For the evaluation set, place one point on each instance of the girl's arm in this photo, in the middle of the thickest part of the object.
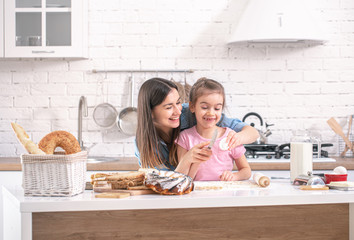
(189, 160)
(183, 163)
(193, 170)
(244, 171)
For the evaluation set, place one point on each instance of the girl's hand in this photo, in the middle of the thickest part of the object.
(199, 153)
(227, 176)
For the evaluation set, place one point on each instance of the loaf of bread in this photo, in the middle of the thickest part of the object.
(119, 180)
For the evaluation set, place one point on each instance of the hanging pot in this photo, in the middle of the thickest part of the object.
(127, 120)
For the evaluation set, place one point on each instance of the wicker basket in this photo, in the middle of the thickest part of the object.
(54, 175)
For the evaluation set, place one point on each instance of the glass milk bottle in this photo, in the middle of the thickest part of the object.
(301, 154)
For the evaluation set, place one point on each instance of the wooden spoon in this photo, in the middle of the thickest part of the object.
(349, 128)
(338, 129)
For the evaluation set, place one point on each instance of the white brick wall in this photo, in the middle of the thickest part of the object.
(292, 86)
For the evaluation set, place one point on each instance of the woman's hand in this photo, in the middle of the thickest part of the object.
(227, 176)
(199, 153)
(246, 136)
(234, 139)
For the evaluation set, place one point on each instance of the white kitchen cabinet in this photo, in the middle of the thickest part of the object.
(1, 28)
(45, 28)
(8, 179)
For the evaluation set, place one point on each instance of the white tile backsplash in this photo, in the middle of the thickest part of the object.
(290, 85)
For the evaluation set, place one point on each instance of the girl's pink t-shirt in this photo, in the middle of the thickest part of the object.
(219, 162)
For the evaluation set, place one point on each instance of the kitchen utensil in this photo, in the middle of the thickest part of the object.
(127, 120)
(105, 114)
(180, 88)
(255, 120)
(315, 181)
(335, 177)
(213, 139)
(309, 179)
(346, 148)
(187, 88)
(261, 179)
(338, 129)
(34, 41)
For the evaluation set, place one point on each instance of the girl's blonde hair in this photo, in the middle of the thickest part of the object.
(204, 85)
(152, 93)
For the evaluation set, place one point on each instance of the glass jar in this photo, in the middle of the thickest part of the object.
(301, 155)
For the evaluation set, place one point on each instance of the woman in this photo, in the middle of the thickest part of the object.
(161, 117)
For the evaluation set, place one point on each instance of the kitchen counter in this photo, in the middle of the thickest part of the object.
(131, 163)
(280, 211)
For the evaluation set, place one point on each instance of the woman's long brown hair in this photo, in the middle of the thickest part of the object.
(152, 93)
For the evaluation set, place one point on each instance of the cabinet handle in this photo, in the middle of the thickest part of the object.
(43, 51)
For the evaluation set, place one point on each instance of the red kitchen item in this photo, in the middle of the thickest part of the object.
(330, 177)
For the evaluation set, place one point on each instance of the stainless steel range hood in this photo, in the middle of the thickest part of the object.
(277, 21)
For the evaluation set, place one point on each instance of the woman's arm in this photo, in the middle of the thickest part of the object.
(247, 135)
(244, 134)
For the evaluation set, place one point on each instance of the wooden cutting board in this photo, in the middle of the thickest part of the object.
(132, 192)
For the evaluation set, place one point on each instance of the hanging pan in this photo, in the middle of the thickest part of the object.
(127, 120)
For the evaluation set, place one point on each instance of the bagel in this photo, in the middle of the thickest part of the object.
(24, 139)
(62, 139)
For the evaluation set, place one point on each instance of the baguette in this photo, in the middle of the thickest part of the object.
(24, 139)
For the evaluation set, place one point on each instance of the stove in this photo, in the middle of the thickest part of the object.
(281, 153)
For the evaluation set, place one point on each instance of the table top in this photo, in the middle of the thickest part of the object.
(280, 192)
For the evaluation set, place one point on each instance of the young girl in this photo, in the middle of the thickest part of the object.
(161, 117)
(207, 100)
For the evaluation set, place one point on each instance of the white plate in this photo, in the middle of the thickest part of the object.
(341, 188)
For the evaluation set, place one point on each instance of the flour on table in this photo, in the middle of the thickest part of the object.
(223, 185)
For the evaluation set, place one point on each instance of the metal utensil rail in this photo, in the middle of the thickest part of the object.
(143, 70)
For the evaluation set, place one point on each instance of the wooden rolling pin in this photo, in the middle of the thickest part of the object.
(261, 179)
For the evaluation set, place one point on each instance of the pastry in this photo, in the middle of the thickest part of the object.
(62, 139)
(169, 182)
(24, 139)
